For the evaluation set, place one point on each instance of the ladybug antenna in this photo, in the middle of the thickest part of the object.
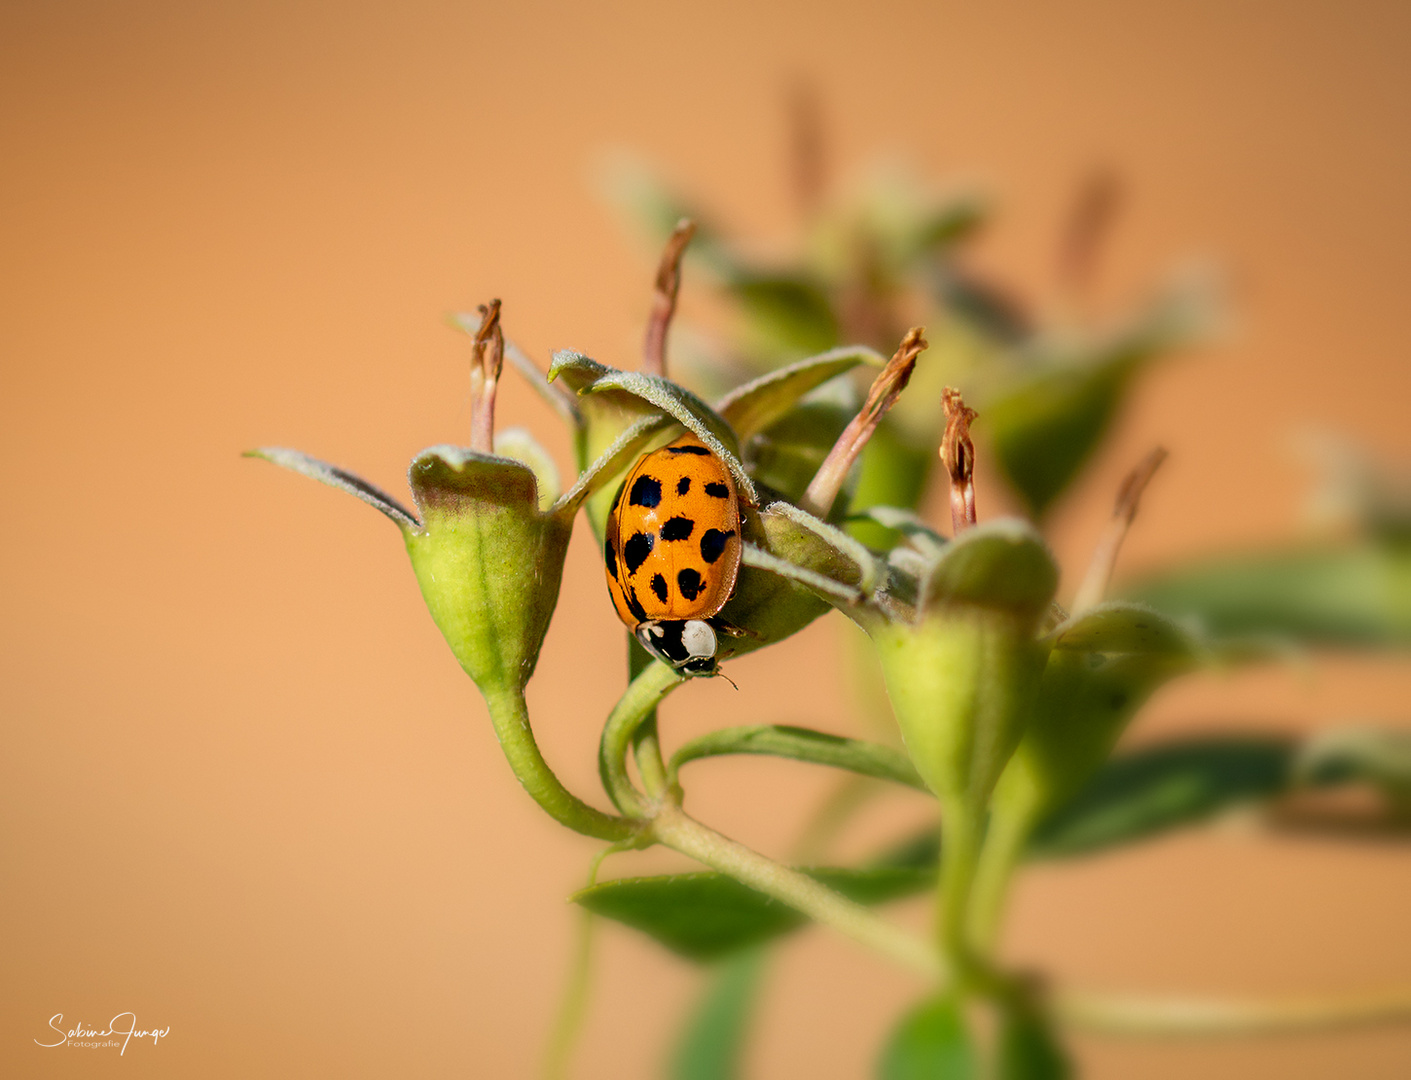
(722, 675)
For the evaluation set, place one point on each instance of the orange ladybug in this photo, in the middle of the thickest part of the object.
(672, 552)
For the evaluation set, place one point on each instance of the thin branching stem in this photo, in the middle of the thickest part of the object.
(510, 716)
(1165, 1017)
(676, 830)
(573, 1006)
(636, 706)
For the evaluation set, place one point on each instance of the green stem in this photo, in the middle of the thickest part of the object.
(676, 830)
(510, 716)
(646, 748)
(574, 1005)
(1114, 1014)
(1003, 847)
(646, 744)
(633, 709)
(960, 844)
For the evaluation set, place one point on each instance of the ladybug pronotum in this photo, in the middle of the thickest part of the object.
(672, 552)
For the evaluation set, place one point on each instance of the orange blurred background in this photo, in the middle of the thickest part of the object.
(247, 792)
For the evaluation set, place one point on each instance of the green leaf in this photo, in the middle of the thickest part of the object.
(1147, 792)
(1104, 665)
(786, 456)
(712, 1046)
(802, 744)
(751, 408)
(707, 915)
(931, 1043)
(1045, 425)
(1028, 1050)
(1356, 596)
(299, 462)
(788, 312)
(635, 395)
(1380, 758)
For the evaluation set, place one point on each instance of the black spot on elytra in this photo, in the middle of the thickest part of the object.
(610, 558)
(646, 491)
(678, 528)
(718, 491)
(683, 485)
(689, 450)
(636, 550)
(713, 543)
(690, 583)
(659, 587)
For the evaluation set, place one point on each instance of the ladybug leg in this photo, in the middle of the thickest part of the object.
(731, 630)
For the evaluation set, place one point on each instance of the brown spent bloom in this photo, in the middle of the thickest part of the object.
(485, 368)
(881, 396)
(668, 284)
(958, 455)
(1124, 512)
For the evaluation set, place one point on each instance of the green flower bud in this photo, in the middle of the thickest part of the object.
(963, 671)
(488, 560)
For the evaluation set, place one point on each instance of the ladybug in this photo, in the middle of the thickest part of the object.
(672, 552)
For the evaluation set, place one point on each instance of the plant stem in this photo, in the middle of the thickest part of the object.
(510, 716)
(999, 854)
(960, 844)
(632, 710)
(679, 832)
(1120, 1014)
(574, 1004)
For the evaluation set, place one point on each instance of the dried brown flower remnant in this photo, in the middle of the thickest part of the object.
(668, 284)
(958, 456)
(881, 396)
(489, 360)
(1124, 512)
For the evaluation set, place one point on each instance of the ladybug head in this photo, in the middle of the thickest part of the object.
(688, 645)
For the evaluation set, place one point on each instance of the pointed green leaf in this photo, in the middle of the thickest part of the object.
(634, 395)
(1105, 664)
(931, 1043)
(1162, 787)
(1046, 423)
(1355, 596)
(786, 456)
(802, 744)
(751, 408)
(712, 1046)
(334, 477)
(706, 915)
(785, 311)
(1381, 758)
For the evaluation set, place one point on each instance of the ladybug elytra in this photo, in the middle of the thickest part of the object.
(672, 552)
